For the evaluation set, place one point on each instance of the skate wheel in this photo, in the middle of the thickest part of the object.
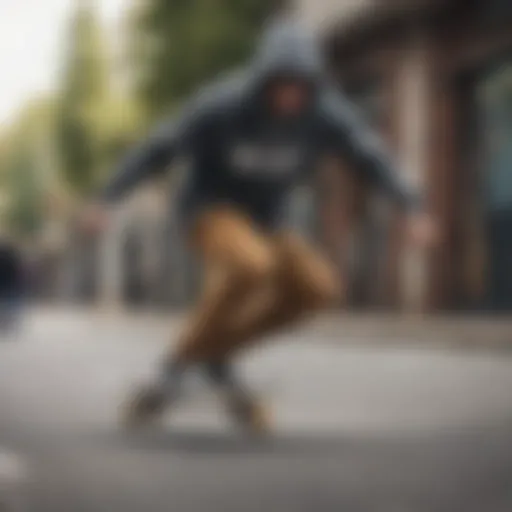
(252, 417)
(144, 408)
(261, 421)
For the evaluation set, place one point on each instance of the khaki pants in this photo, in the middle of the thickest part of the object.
(254, 284)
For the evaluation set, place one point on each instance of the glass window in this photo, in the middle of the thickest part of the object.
(495, 109)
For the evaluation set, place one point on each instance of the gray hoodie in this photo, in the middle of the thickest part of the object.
(240, 153)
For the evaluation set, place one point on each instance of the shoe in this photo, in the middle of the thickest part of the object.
(250, 415)
(146, 406)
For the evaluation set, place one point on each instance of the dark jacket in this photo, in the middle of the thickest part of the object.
(240, 153)
(11, 271)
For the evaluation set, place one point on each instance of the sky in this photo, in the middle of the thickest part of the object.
(32, 36)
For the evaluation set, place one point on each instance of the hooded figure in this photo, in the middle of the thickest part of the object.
(249, 140)
(243, 153)
(12, 283)
(11, 271)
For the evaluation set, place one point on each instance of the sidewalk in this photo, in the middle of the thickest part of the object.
(465, 331)
(14, 483)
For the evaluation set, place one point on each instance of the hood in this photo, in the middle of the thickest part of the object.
(287, 49)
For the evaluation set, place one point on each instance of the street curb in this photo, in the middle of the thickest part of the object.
(452, 331)
(14, 483)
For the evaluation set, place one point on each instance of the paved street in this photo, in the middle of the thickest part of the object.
(358, 428)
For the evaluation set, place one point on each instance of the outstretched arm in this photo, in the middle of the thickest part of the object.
(155, 155)
(151, 157)
(177, 136)
(349, 136)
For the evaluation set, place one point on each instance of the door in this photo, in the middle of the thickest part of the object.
(493, 101)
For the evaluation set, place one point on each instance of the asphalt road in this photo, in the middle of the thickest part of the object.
(356, 428)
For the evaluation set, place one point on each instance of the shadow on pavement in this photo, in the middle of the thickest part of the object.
(209, 442)
(486, 441)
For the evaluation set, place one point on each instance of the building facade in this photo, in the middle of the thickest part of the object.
(435, 76)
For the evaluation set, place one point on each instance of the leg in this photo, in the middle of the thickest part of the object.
(305, 283)
(237, 261)
(244, 407)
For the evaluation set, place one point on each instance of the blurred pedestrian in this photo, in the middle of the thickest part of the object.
(12, 284)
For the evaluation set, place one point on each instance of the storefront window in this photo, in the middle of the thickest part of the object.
(494, 106)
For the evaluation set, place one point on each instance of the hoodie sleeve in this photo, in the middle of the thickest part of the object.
(154, 155)
(347, 134)
(173, 137)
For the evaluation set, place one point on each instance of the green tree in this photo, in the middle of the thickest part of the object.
(180, 44)
(121, 122)
(28, 167)
(23, 215)
(83, 96)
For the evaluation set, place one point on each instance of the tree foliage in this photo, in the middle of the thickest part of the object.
(180, 44)
(28, 167)
(83, 95)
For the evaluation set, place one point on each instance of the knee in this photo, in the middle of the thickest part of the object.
(257, 268)
(321, 293)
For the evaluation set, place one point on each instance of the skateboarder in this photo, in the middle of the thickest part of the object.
(249, 138)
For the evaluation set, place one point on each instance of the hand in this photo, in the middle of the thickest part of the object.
(421, 230)
(94, 219)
